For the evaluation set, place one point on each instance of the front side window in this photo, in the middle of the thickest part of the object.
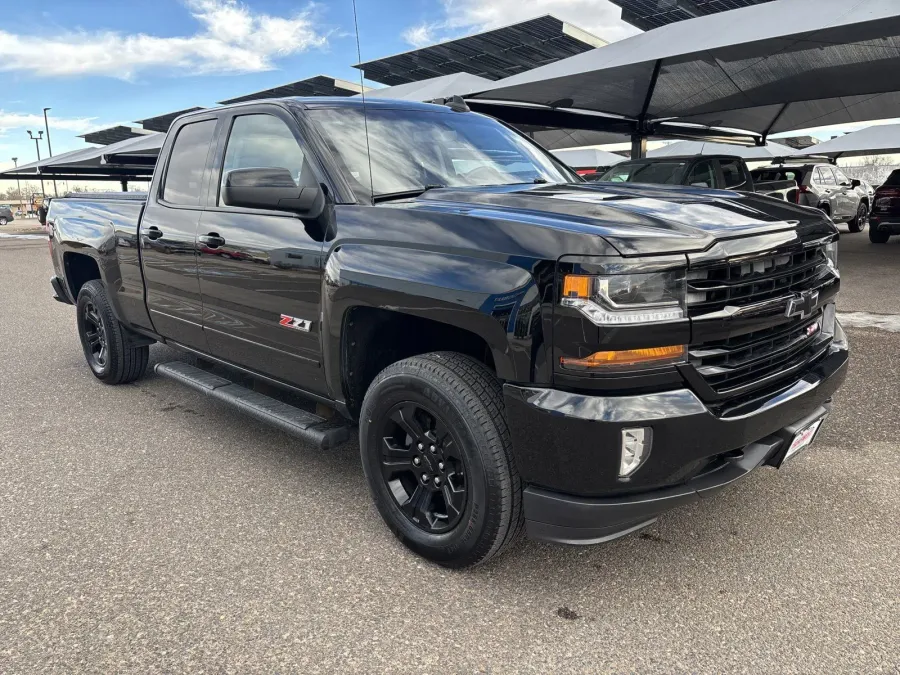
(265, 142)
(184, 175)
(411, 150)
(733, 173)
(666, 173)
(702, 175)
(841, 177)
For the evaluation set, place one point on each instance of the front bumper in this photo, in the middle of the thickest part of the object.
(566, 448)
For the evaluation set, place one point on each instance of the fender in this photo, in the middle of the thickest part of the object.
(107, 233)
(498, 299)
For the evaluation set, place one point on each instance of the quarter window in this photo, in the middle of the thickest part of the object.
(184, 176)
(265, 142)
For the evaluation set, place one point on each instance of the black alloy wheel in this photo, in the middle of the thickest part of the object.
(95, 336)
(423, 467)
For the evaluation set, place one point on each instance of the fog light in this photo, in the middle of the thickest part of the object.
(635, 449)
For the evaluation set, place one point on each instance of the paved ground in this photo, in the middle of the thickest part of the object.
(145, 529)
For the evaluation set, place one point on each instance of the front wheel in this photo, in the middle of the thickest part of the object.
(859, 223)
(878, 236)
(437, 455)
(107, 348)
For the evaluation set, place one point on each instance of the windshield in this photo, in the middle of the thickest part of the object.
(646, 172)
(417, 149)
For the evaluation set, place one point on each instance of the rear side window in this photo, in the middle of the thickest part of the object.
(824, 176)
(733, 173)
(184, 176)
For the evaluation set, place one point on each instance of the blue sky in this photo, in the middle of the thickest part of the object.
(101, 62)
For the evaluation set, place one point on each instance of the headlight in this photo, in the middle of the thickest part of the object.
(831, 252)
(626, 299)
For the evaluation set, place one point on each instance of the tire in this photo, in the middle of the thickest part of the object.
(859, 223)
(878, 236)
(106, 344)
(3, 221)
(464, 400)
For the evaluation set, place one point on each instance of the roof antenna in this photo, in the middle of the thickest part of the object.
(362, 93)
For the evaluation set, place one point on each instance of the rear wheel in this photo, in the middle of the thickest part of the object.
(437, 455)
(878, 236)
(107, 347)
(859, 223)
(3, 221)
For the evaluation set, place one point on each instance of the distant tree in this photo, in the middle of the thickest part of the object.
(873, 169)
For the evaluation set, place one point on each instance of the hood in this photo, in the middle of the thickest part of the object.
(635, 219)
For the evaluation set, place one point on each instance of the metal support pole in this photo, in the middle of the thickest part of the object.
(124, 186)
(18, 185)
(49, 149)
(638, 146)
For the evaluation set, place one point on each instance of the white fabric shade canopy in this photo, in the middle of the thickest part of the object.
(587, 157)
(681, 148)
(877, 140)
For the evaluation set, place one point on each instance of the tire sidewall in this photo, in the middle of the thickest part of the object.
(463, 539)
(96, 295)
(3, 221)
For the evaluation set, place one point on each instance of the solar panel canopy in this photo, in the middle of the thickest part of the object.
(112, 135)
(876, 140)
(493, 54)
(650, 14)
(320, 85)
(161, 123)
(682, 148)
(772, 67)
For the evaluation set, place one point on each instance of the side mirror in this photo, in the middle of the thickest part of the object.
(273, 189)
(854, 182)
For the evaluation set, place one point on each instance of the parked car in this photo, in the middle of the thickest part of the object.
(723, 172)
(519, 348)
(885, 218)
(6, 214)
(826, 187)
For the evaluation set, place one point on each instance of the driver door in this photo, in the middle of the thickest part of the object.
(260, 270)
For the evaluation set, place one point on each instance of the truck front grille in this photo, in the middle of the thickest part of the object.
(745, 282)
(764, 355)
(730, 365)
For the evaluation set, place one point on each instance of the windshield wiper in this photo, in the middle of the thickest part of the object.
(405, 194)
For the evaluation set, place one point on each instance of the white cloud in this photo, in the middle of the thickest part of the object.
(11, 120)
(232, 38)
(599, 17)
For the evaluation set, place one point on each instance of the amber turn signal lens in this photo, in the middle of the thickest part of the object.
(626, 357)
(577, 286)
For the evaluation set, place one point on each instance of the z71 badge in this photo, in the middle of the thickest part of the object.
(295, 323)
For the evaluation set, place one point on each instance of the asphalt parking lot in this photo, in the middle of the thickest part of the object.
(144, 528)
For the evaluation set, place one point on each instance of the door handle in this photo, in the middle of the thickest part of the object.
(153, 232)
(211, 240)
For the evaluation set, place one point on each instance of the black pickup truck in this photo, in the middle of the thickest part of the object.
(518, 348)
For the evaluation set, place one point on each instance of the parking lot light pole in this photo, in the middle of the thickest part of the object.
(37, 146)
(18, 185)
(49, 149)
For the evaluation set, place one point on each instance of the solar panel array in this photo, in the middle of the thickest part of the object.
(494, 54)
(320, 85)
(649, 14)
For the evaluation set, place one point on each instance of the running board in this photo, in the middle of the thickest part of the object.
(310, 428)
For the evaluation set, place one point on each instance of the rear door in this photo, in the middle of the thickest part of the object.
(260, 270)
(848, 195)
(827, 189)
(168, 233)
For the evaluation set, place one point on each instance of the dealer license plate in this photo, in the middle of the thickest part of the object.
(803, 438)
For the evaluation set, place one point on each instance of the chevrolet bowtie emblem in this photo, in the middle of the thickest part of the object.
(802, 304)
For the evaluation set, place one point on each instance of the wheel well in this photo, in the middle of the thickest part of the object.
(80, 269)
(373, 339)
(864, 200)
(826, 207)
